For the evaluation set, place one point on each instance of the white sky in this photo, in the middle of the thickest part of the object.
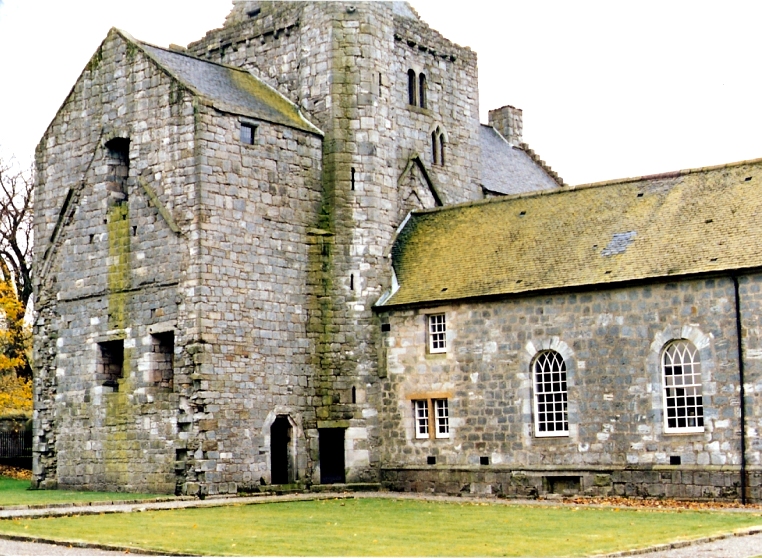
(608, 89)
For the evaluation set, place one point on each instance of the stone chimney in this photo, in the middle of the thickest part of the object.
(508, 121)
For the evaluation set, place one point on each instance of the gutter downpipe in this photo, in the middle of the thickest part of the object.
(743, 391)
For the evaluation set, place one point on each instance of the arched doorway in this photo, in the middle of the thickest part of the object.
(281, 462)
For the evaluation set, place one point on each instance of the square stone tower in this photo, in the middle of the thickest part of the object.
(213, 227)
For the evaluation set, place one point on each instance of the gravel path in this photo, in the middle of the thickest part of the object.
(22, 548)
(745, 546)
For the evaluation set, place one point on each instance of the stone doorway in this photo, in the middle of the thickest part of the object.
(281, 458)
(331, 445)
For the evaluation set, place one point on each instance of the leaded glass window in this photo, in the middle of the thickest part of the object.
(683, 400)
(550, 395)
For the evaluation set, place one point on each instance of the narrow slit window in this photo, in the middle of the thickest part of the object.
(422, 91)
(441, 149)
(411, 88)
(353, 178)
(434, 149)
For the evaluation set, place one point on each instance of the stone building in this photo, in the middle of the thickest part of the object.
(290, 254)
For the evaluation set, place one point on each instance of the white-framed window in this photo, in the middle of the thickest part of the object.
(442, 416)
(421, 410)
(551, 417)
(437, 332)
(683, 399)
(425, 408)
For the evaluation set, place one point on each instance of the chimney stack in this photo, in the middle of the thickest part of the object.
(508, 121)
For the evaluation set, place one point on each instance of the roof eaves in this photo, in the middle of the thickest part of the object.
(388, 303)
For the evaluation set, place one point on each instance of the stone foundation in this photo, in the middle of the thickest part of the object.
(682, 483)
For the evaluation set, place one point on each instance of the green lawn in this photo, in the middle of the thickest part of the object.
(16, 492)
(377, 527)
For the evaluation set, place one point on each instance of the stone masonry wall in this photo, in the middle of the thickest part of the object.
(611, 341)
(111, 269)
(255, 360)
(346, 65)
(452, 106)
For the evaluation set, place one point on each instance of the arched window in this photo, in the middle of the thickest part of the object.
(683, 400)
(441, 149)
(434, 149)
(411, 88)
(550, 394)
(422, 91)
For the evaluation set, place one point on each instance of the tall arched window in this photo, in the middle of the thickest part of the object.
(434, 148)
(411, 88)
(550, 395)
(441, 149)
(683, 400)
(422, 91)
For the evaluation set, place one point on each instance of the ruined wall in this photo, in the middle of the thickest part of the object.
(611, 341)
(112, 270)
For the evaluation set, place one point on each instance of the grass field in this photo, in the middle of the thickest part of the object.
(16, 492)
(381, 527)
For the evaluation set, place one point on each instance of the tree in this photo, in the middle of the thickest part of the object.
(16, 191)
(16, 195)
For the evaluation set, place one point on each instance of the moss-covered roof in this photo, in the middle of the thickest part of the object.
(228, 88)
(682, 223)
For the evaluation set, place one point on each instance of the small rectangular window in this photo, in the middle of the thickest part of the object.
(442, 418)
(437, 331)
(421, 409)
(110, 367)
(248, 132)
(438, 408)
(163, 359)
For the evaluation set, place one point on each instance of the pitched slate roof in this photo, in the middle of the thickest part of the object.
(682, 223)
(229, 89)
(507, 169)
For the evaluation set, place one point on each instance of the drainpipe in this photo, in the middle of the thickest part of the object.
(743, 392)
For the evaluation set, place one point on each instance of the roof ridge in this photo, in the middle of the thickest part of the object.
(568, 189)
(669, 174)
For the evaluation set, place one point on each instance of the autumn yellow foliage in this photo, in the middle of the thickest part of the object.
(15, 390)
(15, 396)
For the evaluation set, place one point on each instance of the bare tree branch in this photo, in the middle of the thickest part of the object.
(16, 196)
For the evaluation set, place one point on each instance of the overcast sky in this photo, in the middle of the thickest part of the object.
(608, 89)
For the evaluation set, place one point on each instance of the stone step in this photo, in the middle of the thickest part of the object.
(347, 487)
